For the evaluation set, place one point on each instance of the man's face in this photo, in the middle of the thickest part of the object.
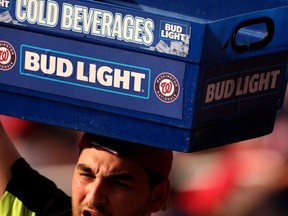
(104, 184)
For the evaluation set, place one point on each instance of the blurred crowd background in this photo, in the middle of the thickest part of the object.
(248, 178)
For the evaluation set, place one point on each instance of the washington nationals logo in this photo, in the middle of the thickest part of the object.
(166, 87)
(7, 56)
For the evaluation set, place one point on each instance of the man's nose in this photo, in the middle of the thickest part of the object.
(96, 194)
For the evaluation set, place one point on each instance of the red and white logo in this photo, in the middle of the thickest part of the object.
(166, 87)
(7, 56)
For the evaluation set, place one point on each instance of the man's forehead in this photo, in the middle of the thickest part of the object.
(101, 160)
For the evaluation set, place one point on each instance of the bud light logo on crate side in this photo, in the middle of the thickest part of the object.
(175, 38)
(249, 84)
(5, 4)
(173, 31)
(82, 71)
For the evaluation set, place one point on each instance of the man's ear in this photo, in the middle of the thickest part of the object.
(160, 196)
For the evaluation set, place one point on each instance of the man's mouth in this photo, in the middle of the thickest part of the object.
(90, 213)
(86, 213)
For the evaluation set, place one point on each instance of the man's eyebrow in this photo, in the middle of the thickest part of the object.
(84, 168)
(121, 176)
(114, 176)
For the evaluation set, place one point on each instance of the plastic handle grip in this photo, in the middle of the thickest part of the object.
(260, 43)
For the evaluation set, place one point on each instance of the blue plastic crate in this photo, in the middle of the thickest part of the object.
(185, 75)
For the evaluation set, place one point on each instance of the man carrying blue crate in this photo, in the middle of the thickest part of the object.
(111, 177)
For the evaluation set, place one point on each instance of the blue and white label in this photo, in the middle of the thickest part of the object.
(174, 39)
(96, 21)
(90, 75)
(81, 19)
(173, 31)
(86, 72)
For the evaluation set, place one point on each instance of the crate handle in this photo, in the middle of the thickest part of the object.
(252, 45)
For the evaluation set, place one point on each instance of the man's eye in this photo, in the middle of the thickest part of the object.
(87, 175)
(121, 184)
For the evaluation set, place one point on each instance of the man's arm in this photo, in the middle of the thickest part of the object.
(8, 155)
